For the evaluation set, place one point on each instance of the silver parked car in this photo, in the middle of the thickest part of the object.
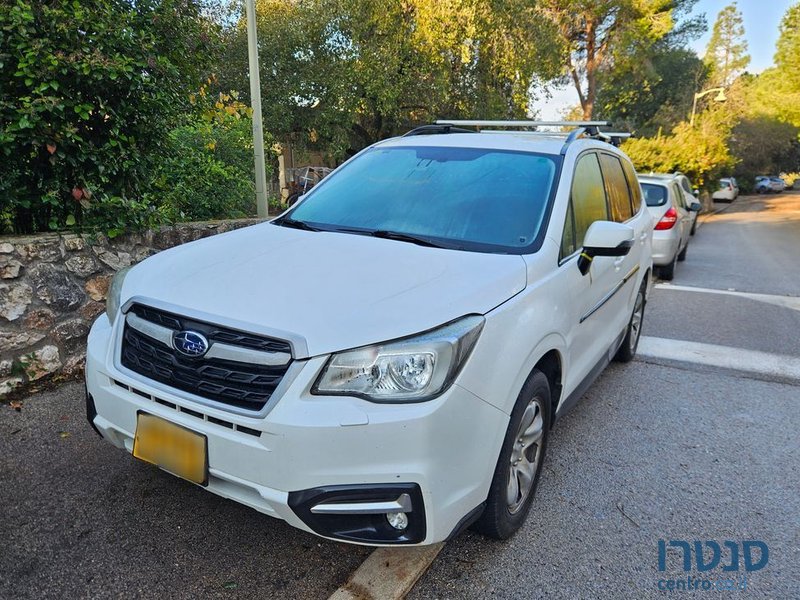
(672, 220)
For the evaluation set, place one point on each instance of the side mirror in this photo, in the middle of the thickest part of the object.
(605, 238)
(695, 207)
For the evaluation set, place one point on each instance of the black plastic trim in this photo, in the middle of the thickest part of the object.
(466, 521)
(370, 529)
(91, 411)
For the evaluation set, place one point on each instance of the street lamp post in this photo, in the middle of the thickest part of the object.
(720, 97)
(255, 103)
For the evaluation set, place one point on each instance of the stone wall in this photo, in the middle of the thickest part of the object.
(52, 286)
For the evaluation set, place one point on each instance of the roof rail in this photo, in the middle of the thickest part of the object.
(437, 128)
(588, 128)
(490, 123)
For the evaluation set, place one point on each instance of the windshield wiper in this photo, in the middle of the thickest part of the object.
(404, 237)
(288, 222)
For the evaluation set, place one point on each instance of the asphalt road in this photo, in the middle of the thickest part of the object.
(654, 451)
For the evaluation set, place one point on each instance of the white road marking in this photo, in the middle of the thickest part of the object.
(792, 302)
(779, 366)
(388, 573)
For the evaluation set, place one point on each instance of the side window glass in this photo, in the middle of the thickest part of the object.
(679, 197)
(633, 185)
(568, 239)
(588, 196)
(619, 199)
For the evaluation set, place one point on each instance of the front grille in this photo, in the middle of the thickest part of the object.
(238, 384)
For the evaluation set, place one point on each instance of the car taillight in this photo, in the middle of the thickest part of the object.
(668, 220)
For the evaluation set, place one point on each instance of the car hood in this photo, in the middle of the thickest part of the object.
(323, 291)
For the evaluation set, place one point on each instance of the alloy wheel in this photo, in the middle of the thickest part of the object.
(525, 456)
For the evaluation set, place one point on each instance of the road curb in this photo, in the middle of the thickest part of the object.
(388, 573)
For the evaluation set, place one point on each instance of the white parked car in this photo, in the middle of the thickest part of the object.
(382, 364)
(727, 191)
(672, 219)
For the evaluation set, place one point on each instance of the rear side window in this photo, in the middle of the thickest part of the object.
(680, 199)
(619, 199)
(588, 200)
(654, 194)
(633, 186)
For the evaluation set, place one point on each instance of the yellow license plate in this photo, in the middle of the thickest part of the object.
(173, 448)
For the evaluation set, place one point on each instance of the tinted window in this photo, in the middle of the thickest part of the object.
(588, 196)
(654, 195)
(619, 199)
(469, 198)
(633, 186)
(680, 199)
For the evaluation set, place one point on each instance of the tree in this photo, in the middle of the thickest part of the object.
(594, 35)
(88, 93)
(655, 95)
(776, 91)
(764, 145)
(726, 54)
(701, 152)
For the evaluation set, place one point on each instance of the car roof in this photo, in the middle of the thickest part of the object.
(657, 179)
(510, 141)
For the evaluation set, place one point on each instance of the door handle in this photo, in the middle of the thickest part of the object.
(618, 261)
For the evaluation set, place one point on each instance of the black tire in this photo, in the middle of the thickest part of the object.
(629, 345)
(682, 254)
(694, 227)
(498, 520)
(667, 273)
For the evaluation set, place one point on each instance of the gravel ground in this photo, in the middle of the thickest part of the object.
(650, 453)
(82, 519)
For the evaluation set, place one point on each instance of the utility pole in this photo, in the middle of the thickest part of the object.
(255, 103)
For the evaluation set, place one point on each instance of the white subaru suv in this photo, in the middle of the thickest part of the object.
(382, 363)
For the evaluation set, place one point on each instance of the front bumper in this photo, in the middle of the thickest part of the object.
(447, 447)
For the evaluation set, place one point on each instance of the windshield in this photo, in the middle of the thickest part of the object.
(654, 195)
(467, 198)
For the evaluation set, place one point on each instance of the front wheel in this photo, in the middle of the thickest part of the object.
(520, 463)
(629, 345)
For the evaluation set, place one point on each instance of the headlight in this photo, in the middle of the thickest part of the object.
(408, 370)
(114, 291)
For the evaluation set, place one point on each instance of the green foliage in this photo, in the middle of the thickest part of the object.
(88, 91)
(337, 75)
(701, 152)
(776, 92)
(208, 171)
(726, 54)
(656, 94)
(764, 145)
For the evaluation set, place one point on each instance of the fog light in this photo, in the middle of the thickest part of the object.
(397, 520)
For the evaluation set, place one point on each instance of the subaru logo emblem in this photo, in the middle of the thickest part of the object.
(190, 343)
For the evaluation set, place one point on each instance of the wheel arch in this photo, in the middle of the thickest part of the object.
(551, 365)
